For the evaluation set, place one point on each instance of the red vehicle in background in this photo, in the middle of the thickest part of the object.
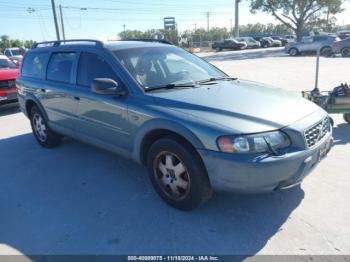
(8, 75)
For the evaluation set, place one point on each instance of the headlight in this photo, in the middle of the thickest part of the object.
(256, 143)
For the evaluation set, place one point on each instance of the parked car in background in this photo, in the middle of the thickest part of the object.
(250, 41)
(342, 47)
(290, 38)
(283, 40)
(8, 74)
(344, 34)
(264, 42)
(311, 44)
(13, 53)
(274, 43)
(194, 127)
(232, 44)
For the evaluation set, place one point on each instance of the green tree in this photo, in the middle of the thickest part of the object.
(171, 35)
(5, 42)
(131, 34)
(296, 13)
(28, 43)
(16, 43)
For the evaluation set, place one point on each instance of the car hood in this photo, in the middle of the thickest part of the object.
(240, 106)
(8, 73)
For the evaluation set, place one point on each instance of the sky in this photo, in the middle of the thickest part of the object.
(104, 19)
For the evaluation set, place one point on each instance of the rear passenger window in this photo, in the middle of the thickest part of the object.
(60, 67)
(92, 66)
(320, 38)
(34, 65)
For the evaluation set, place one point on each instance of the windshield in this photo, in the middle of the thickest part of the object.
(158, 66)
(249, 39)
(15, 52)
(7, 63)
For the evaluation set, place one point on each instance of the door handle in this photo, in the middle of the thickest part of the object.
(77, 98)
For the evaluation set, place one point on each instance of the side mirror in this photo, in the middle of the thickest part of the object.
(106, 86)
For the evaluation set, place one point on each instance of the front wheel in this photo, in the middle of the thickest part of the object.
(345, 52)
(177, 174)
(293, 52)
(41, 130)
(326, 51)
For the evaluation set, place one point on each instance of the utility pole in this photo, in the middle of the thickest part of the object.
(55, 19)
(208, 15)
(124, 28)
(237, 18)
(195, 27)
(230, 26)
(62, 24)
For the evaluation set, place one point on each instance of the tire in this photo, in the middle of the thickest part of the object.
(178, 174)
(345, 52)
(326, 51)
(346, 117)
(293, 52)
(41, 130)
(218, 49)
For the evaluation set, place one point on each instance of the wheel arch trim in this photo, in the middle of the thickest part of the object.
(32, 99)
(166, 126)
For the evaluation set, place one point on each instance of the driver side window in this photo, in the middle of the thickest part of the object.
(93, 66)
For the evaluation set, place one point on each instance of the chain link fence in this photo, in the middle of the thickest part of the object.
(202, 46)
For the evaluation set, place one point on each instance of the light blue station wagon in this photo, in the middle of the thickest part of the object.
(194, 127)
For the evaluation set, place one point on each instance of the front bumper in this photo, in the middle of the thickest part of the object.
(248, 173)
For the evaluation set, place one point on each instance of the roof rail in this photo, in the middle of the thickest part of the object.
(60, 42)
(163, 41)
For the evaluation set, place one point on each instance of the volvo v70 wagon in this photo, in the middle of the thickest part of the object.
(194, 127)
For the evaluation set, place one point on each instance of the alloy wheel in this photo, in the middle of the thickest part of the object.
(171, 175)
(345, 52)
(326, 51)
(39, 127)
(293, 52)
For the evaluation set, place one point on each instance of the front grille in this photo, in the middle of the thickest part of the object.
(318, 131)
(7, 84)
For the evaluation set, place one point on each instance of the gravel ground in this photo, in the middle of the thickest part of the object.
(77, 199)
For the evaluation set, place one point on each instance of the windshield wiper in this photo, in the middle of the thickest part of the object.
(169, 86)
(213, 79)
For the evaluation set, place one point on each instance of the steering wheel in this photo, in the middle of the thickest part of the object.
(183, 74)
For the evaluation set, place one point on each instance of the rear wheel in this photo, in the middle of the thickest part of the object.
(293, 52)
(218, 49)
(41, 130)
(347, 117)
(177, 174)
(326, 51)
(345, 52)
